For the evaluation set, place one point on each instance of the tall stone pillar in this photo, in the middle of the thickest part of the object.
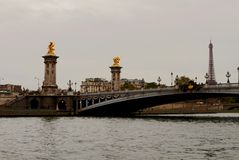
(115, 74)
(49, 86)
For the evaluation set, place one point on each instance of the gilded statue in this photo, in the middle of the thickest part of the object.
(116, 61)
(51, 48)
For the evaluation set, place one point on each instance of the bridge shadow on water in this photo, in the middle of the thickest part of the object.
(198, 118)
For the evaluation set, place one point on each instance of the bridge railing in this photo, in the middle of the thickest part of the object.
(102, 98)
(131, 91)
(165, 90)
(222, 85)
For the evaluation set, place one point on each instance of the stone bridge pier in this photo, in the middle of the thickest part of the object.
(63, 103)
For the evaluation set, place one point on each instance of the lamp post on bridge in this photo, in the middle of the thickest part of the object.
(171, 78)
(238, 74)
(176, 80)
(159, 80)
(206, 76)
(228, 75)
(69, 84)
(75, 86)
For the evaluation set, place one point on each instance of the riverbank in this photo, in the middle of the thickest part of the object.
(192, 108)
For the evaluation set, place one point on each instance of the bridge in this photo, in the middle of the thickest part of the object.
(120, 103)
(129, 102)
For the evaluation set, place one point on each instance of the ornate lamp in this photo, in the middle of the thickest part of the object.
(238, 74)
(228, 75)
(171, 78)
(206, 76)
(159, 80)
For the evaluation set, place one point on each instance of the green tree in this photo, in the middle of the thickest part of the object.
(127, 86)
(186, 84)
(151, 85)
(183, 80)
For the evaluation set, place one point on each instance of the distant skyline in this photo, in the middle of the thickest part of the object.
(152, 37)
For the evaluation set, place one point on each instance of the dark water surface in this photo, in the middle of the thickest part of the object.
(188, 137)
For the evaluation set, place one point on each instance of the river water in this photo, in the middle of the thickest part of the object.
(187, 137)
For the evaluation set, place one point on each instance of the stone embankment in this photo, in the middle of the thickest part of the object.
(5, 98)
(187, 108)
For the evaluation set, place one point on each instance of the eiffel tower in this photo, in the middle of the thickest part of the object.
(211, 79)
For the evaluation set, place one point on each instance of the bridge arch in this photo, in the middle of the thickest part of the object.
(131, 104)
(34, 104)
(61, 104)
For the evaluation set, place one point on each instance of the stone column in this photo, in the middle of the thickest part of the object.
(49, 86)
(115, 74)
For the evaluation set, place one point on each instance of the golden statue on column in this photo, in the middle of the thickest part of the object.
(51, 48)
(116, 61)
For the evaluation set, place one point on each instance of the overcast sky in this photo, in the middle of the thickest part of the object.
(152, 37)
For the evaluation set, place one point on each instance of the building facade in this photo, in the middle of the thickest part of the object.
(11, 88)
(134, 83)
(95, 85)
(102, 85)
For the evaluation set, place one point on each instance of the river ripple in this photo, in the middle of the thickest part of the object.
(178, 137)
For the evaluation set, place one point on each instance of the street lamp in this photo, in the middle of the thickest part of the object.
(176, 80)
(206, 76)
(238, 74)
(75, 86)
(159, 80)
(38, 85)
(142, 83)
(171, 78)
(228, 75)
(69, 84)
